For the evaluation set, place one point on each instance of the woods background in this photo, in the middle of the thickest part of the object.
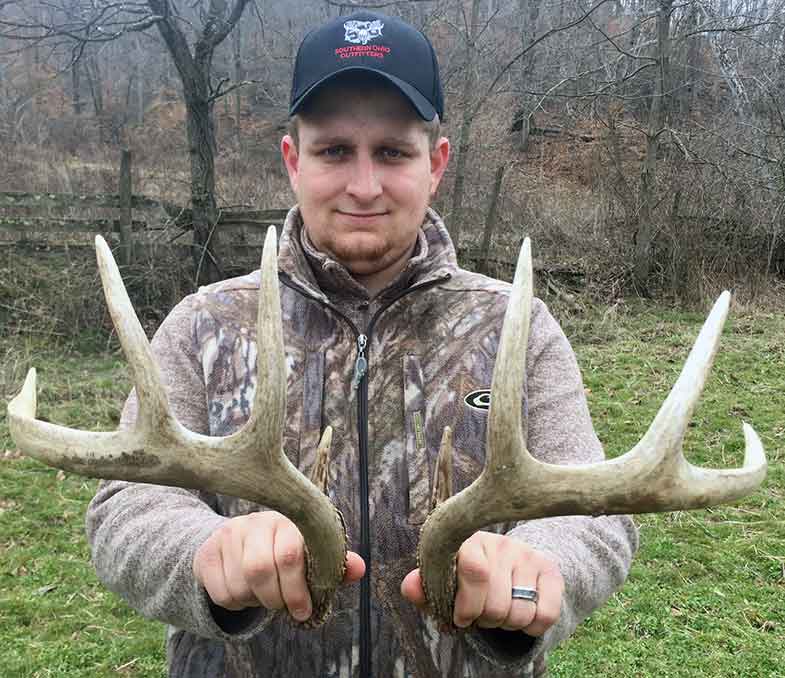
(640, 143)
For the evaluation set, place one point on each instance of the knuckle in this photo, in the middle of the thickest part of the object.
(298, 601)
(258, 569)
(271, 598)
(271, 516)
(463, 618)
(495, 613)
(222, 599)
(465, 611)
(224, 532)
(506, 544)
(523, 616)
(233, 596)
(290, 557)
(548, 618)
(474, 570)
(208, 555)
(238, 591)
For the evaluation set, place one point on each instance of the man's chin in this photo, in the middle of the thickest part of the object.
(367, 254)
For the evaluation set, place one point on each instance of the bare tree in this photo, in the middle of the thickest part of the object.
(190, 40)
(644, 232)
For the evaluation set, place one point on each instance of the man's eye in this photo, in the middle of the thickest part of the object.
(334, 152)
(392, 153)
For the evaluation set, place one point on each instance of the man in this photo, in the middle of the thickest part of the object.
(389, 341)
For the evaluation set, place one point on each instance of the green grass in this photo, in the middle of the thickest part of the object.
(706, 595)
(56, 619)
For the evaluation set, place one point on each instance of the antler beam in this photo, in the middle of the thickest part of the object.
(249, 464)
(652, 477)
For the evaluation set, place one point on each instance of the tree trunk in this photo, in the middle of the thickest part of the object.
(140, 80)
(688, 93)
(490, 219)
(644, 236)
(529, 14)
(201, 151)
(76, 95)
(456, 213)
(238, 77)
(126, 213)
(194, 69)
(94, 80)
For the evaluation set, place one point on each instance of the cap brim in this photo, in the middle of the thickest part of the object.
(423, 107)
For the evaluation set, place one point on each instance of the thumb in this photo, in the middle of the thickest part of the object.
(412, 590)
(355, 568)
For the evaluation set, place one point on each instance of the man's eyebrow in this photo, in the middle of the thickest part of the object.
(347, 140)
(398, 141)
(332, 140)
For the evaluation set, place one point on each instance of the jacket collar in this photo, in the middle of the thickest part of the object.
(323, 277)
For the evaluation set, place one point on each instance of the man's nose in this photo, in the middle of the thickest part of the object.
(363, 182)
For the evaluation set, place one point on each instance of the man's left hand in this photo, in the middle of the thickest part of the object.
(489, 565)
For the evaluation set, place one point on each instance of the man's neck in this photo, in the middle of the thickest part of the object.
(378, 281)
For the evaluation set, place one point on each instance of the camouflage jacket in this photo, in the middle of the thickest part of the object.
(431, 342)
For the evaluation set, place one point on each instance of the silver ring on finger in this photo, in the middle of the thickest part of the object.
(524, 593)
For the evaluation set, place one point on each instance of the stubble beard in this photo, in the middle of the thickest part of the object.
(364, 256)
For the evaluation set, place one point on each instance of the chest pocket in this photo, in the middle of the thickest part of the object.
(418, 463)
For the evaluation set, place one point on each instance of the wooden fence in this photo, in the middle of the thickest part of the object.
(39, 216)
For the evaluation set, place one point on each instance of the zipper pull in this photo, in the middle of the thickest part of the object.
(361, 364)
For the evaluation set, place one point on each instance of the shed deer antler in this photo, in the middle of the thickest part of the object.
(652, 477)
(249, 464)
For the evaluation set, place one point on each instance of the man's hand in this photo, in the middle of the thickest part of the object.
(259, 560)
(489, 565)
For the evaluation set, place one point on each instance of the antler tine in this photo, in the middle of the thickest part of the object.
(98, 454)
(654, 476)
(267, 414)
(506, 446)
(153, 403)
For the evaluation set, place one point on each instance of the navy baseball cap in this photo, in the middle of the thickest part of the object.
(374, 43)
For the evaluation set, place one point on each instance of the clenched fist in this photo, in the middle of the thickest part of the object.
(488, 566)
(259, 560)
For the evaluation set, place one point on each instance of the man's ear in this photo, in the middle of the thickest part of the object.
(291, 159)
(440, 155)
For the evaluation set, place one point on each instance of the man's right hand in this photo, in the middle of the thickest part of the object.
(259, 560)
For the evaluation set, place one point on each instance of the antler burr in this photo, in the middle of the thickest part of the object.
(652, 477)
(249, 464)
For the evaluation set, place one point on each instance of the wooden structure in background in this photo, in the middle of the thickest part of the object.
(27, 216)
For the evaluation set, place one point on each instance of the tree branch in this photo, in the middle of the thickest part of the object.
(489, 90)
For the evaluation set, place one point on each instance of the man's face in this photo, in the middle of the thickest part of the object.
(364, 172)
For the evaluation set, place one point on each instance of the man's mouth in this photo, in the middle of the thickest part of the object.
(361, 215)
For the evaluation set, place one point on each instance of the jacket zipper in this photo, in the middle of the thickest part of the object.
(360, 382)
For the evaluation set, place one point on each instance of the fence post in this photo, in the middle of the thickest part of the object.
(126, 236)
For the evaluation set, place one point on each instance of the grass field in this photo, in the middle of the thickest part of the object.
(706, 595)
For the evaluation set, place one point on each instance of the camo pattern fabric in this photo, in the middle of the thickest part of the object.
(433, 341)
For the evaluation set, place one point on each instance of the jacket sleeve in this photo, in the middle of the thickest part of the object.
(144, 537)
(594, 554)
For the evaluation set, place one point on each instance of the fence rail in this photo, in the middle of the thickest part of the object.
(37, 215)
(19, 200)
